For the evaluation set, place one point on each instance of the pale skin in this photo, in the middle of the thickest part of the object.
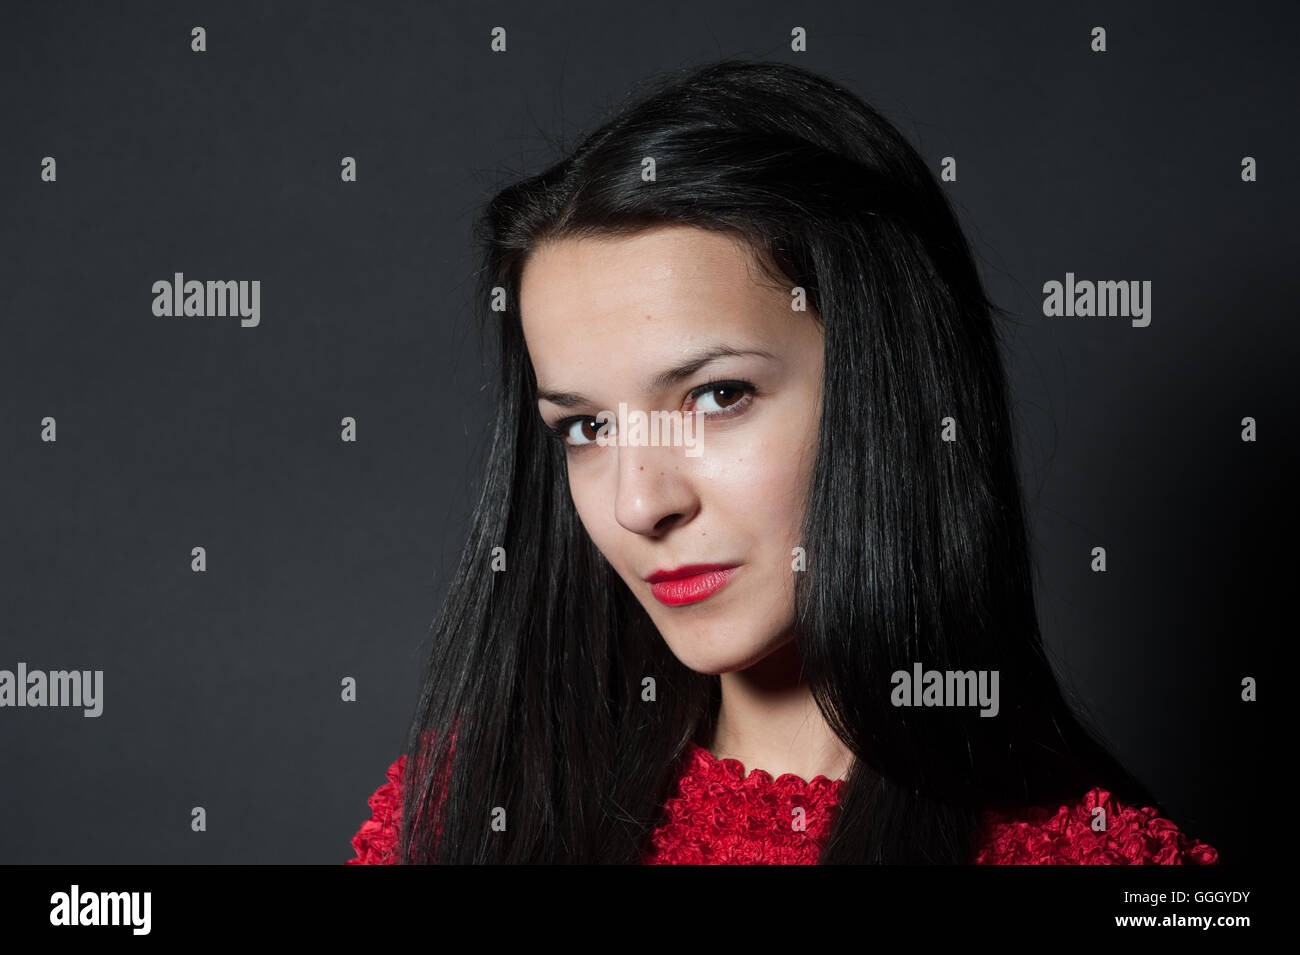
(602, 317)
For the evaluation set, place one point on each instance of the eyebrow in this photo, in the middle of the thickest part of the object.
(665, 379)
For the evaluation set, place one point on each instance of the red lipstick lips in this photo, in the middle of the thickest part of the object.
(689, 583)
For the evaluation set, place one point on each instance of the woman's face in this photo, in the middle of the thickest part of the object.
(604, 319)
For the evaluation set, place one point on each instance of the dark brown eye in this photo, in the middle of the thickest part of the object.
(722, 396)
(588, 429)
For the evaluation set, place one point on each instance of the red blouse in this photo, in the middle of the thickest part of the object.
(718, 814)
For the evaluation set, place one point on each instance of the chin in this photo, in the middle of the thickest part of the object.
(714, 661)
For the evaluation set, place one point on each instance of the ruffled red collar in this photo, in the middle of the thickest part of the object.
(702, 762)
(719, 813)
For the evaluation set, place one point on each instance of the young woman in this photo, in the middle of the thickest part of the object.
(804, 631)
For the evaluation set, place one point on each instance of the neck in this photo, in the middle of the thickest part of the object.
(769, 721)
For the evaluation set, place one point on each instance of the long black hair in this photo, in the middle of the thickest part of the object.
(531, 741)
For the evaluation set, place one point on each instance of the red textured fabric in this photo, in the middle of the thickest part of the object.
(719, 814)
(375, 840)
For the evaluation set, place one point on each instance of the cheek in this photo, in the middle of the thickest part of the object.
(595, 507)
(757, 495)
(761, 482)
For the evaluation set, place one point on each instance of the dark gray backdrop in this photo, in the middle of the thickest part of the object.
(328, 560)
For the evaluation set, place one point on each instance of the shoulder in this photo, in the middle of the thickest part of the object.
(1095, 830)
(377, 836)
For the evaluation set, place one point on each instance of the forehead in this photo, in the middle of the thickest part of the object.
(624, 301)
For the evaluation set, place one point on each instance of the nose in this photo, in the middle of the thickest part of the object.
(655, 492)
